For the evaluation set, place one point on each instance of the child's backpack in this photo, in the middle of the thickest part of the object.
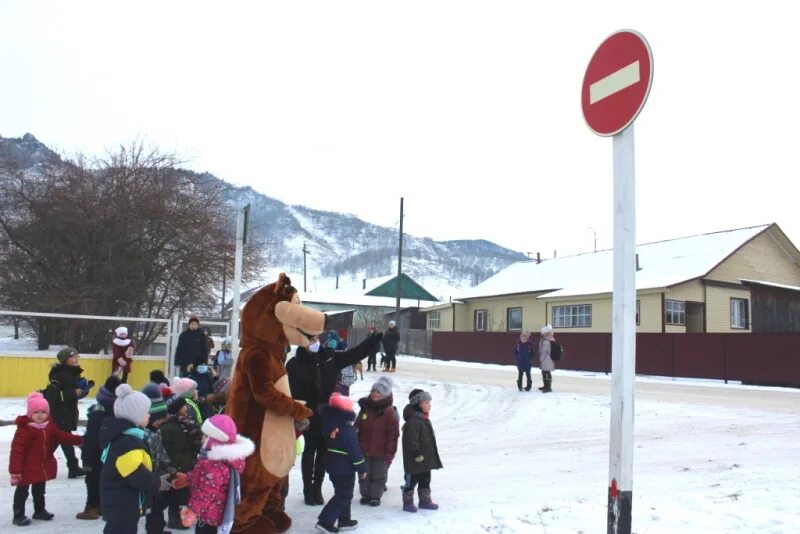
(347, 376)
(556, 351)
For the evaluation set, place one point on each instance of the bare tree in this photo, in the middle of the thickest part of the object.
(127, 234)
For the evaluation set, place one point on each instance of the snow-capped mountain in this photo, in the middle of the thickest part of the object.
(343, 248)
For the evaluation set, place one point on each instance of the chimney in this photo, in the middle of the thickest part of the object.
(637, 262)
(364, 284)
(337, 281)
(538, 258)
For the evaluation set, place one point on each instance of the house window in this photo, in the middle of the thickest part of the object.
(514, 318)
(480, 320)
(675, 312)
(434, 320)
(638, 312)
(740, 318)
(572, 316)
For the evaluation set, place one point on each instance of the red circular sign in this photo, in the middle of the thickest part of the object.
(617, 82)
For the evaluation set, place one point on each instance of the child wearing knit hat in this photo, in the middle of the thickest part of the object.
(31, 462)
(128, 481)
(182, 439)
(187, 388)
(122, 354)
(420, 453)
(214, 481)
(154, 522)
(378, 430)
(342, 461)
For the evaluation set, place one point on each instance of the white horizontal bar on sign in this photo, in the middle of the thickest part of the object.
(73, 316)
(614, 82)
(52, 356)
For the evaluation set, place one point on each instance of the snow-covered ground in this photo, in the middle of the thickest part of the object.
(709, 458)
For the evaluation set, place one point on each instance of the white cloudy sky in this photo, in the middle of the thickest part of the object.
(469, 110)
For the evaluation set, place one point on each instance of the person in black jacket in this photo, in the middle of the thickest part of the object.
(312, 378)
(66, 387)
(420, 453)
(91, 453)
(372, 357)
(391, 340)
(192, 349)
(128, 481)
(343, 461)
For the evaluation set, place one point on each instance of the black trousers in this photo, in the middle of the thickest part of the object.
(312, 463)
(423, 479)
(154, 521)
(69, 454)
(202, 528)
(121, 526)
(21, 496)
(527, 375)
(338, 507)
(372, 361)
(391, 360)
(93, 488)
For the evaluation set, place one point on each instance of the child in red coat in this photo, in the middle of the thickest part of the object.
(123, 354)
(214, 481)
(31, 462)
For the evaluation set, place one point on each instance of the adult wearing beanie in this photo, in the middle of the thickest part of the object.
(192, 349)
(91, 452)
(128, 469)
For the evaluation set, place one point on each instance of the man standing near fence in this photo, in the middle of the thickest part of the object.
(391, 341)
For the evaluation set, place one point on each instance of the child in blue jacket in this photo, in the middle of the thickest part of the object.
(342, 461)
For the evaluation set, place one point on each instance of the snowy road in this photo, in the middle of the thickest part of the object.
(709, 458)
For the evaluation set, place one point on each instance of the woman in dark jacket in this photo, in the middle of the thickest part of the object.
(66, 387)
(192, 349)
(312, 378)
(91, 453)
(420, 453)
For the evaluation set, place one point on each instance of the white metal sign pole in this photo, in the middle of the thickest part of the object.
(237, 281)
(623, 343)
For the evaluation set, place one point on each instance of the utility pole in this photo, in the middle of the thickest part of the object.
(241, 240)
(399, 268)
(306, 252)
(224, 284)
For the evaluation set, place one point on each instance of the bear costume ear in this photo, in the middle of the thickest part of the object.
(284, 285)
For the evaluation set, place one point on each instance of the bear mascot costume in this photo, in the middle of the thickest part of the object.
(260, 403)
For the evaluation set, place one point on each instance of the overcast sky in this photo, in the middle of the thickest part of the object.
(469, 110)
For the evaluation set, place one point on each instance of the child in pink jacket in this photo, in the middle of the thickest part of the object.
(214, 481)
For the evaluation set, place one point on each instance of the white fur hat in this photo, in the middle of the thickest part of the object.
(121, 330)
(547, 329)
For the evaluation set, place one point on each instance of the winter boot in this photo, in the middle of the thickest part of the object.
(19, 518)
(88, 514)
(308, 496)
(408, 501)
(43, 515)
(364, 500)
(318, 498)
(519, 384)
(425, 501)
(322, 527)
(548, 381)
(74, 470)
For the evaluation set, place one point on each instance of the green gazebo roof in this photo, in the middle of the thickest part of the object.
(409, 289)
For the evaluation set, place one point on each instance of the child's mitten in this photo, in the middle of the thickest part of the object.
(16, 480)
(419, 458)
(188, 517)
(180, 481)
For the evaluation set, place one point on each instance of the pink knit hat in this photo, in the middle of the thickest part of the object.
(183, 387)
(36, 402)
(220, 429)
(341, 402)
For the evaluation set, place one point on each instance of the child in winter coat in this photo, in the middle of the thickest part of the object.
(523, 352)
(187, 388)
(342, 461)
(204, 376)
(90, 452)
(154, 522)
(420, 454)
(65, 389)
(214, 481)
(223, 361)
(31, 462)
(122, 349)
(128, 481)
(182, 438)
(378, 431)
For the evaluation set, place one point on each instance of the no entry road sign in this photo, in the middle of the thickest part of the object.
(617, 82)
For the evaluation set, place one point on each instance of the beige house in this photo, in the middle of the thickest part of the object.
(700, 283)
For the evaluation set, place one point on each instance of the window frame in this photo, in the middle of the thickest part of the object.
(572, 316)
(746, 315)
(638, 312)
(669, 318)
(434, 317)
(508, 319)
(485, 314)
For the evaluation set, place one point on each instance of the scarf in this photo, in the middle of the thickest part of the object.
(38, 426)
(121, 342)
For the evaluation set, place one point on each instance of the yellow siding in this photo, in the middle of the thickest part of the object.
(445, 319)
(692, 290)
(19, 375)
(718, 308)
(763, 258)
(650, 313)
(533, 312)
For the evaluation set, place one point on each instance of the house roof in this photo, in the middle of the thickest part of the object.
(408, 289)
(355, 300)
(662, 264)
(768, 284)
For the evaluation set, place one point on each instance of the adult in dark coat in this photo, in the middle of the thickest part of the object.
(192, 349)
(312, 378)
(391, 340)
(524, 353)
(91, 452)
(372, 357)
(66, 387)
